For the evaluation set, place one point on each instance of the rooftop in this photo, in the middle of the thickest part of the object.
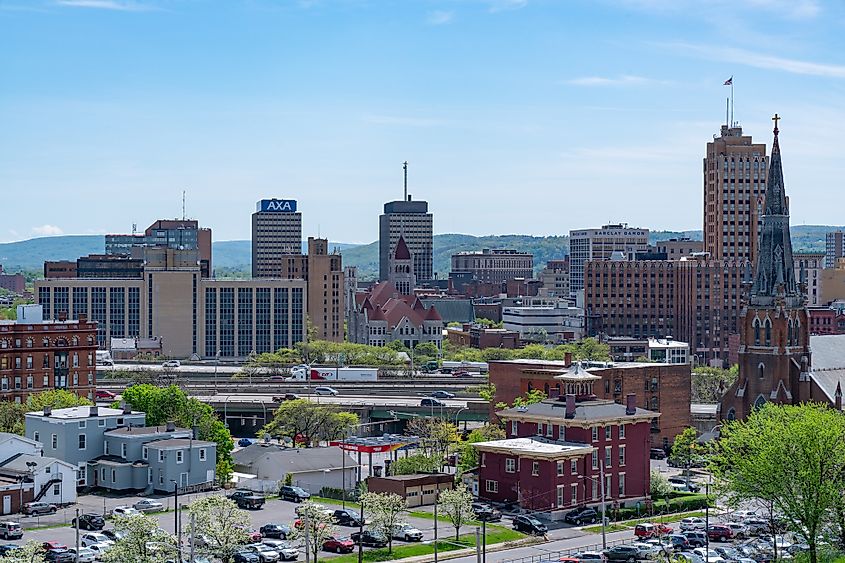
(585, 411)
(179, 443)
(145, 431)
(535, 445)
(80, 412)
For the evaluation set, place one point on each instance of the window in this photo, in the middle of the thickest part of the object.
(621, 484)
(608, 430)
(36, 436)
(621, 456)
(539, 429)
(560, 466)
(535, 468)
(561, 433)
(573, 466)
(202, 454)
(57, 489)
(149, 476)
(103, 475)
(608, 452)
(595, 459)
(113, 476)
(491, 486)
(560, 491)
(621, 431)
(106, 447)
(144, 452)
(161, 456)
(549, 429)
(595, 430)
(82, 441)
(510, 465)
(83, 423)
(573, 494)
(54, 441)
(483, 459)
(607, 483)
(514, 428)
(179, 456)
(120, 422)
(123, 450)
(101, 423)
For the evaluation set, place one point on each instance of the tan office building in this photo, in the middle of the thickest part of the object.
(276, 234)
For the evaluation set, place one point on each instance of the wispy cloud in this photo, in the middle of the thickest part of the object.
(790, 9)
(505, 5)
(115, 5)
(762, 60)
(440, 17)
(47, 230)
(404, 121)
(623, 80)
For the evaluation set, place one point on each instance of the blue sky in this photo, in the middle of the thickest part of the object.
(516, 116)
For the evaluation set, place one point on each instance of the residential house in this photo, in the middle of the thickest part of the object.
(26, 475)
(309, 468)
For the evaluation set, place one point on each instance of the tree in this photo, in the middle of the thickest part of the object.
(792, 457)
(384, 509)
(456, 505)
(144, 541)
(709, 384)
(30, 552)
(486, 391)
(317, 523)
(533, 396)
(12, 417)
(417, 463)
(469, 455)
(56, 399)
(133, 376)
(435, 434)
(685, 448)
(308, 422)
(660, 486)
(222, 523)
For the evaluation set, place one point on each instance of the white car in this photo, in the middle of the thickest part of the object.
(148, 505)
(99, 549)
(407, 532)
(693, 523)
(740, 530)
(264, 552)
(314, 506)
(709, 556)
(124, 511)
(689, 557)
(86, 554)
(325, 391)
(171, 364)
(647, 550)
(95, 538)
(286, 551)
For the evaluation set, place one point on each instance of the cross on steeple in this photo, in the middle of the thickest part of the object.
(776, 118)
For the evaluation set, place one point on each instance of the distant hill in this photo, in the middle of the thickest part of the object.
(234, 256)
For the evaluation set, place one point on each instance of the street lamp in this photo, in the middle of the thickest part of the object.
(603, 502)
(216, 361)
(176, 517)
(458, 413)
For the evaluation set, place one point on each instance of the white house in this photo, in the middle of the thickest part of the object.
(26, 475)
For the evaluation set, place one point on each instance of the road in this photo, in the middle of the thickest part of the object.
(341, 400)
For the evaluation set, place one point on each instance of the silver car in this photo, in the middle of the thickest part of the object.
(407, 532)
(264, 552)
(286, 551)
(325, 391)
(148, 505)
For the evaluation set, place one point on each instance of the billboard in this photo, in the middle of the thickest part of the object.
(276, 206)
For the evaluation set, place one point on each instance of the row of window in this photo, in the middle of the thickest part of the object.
(492, 486)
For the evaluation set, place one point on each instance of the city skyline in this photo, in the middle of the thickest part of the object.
(116, 105)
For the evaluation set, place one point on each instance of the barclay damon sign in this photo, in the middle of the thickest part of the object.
(277, 205)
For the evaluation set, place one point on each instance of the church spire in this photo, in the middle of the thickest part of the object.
(775, 274)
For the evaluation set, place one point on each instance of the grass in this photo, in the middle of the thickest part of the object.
(495, 534)
(628, 524)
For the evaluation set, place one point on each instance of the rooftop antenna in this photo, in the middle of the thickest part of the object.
(134, 228)
(405, 168)
(183, 205)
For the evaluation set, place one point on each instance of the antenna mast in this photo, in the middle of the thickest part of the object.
(405, 168)
(183, 205)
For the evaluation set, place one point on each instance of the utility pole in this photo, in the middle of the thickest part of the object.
(405, 168)
(361, 533)
(436, 498)
(193, 531)
(307, 536)
(477, 545)
(603, 507)
(76, 525)
(484, 541)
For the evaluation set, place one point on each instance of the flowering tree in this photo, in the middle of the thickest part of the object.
(316, 524)
(456, 505)
(222, 524)
(142, 542)
(385, 510)
(30, 552)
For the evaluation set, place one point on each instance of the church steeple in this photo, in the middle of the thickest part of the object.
(775, 273)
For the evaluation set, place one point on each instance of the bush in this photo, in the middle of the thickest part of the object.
(337, 494)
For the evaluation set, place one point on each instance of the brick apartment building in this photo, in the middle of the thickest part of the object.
(477, 336)
(38, 355)
(15, 283)
(657, 387)
(497, 265)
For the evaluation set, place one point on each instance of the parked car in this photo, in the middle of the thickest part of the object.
(689, 557)
(696, 538)
(590, 557)
(53, 546)
(431, 402)
(582, 515)
(265, 553)
(528, 524)
(338, 544)
(627, 553)
(740, 530)
(657, 453)
(8, 548)
(756, 526)
(86, 554)
(59, 557)
(89, 522)
(708, 555)
(369, 538)
(693, 523)
(244, 442)
(728, 553)
(295, 494)
(33, 508)
(461, 373)
(245, 557)
(441, 394)
(286, 550)
(649, 530)
(279, 531)
(317, 507)
(406, 532)
(323, 390)
(485, 512)
(171, 364)
(103, 394)
(113, 535)
(95, 538)
(247, 499)
(11, 531)
(720, 532)
(347, 517)
(685, 488)
(252, 536)
(125, 511)
(679, 542)
(647, 550)
(148, 505)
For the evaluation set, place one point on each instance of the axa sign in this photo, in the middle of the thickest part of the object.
(277, 205)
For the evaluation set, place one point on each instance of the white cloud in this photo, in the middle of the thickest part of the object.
(47, 230)
(115, 5)
(624, 80)
(761, 60)
(440, 17)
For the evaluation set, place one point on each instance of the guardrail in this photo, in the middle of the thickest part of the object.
(556, 555)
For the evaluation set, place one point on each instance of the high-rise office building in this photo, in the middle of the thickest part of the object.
(834, 248)
(609, 242)
(175, 234)
(276, 234)
(412, 221)
(734, 190)
(497, 265)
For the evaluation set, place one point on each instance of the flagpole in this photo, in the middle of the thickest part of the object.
(732, 101)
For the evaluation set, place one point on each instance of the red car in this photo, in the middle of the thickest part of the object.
(338, 545)
(54, 546)
(254, 537)
(649, 530)
(720, 533)
(103, 394)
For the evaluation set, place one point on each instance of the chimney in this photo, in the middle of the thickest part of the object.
(631, 404)
(94, 411)
(837, 397)
(554, 393)
(82, 317)
(62, 316)
(195, 432)
(570, 406)
(127, 408)
(47, 410)
(567, 359)
(171, 426)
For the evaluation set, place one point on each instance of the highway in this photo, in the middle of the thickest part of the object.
(378, 401)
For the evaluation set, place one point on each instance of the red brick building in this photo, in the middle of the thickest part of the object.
(477, 336)
(658, 387)
(15, 283)
(38, 355)
(558, 451)
(826, 320)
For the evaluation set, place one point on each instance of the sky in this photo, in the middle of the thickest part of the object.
(515, 116)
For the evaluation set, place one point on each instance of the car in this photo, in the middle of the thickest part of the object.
(86, 554)
(685, 488)
(247, 499)
(441, 394)
(740, 530)
(53, 546)
(689, 557)
(582, 515)
(299, 510)
(590, 556)
(338, 544)
(708, 555)
(627, 553)
(346, 517)
(406, 532)
(35, 508)
(756, 526)
(679, 542)
(148, 505)
(693, 523)
(113, 535)
(647, 550)
(742, 515)
(89, 522)
(171, 364)
(285, 397)
(720, 532)
(486, 513)
(125, 511)
(370, 538)
(650, 530)
(265, 553)
(461, 373)
(8, 548)
(11, 531)
(657, 453)
(323, 390)
(95, 538)
(529, 524)
(253, 536)
(286, 550)
(245, 557)
(244, 442)
(59, 557)
(296, 494)
(280, 531)
(696, 538)
(103, 394)
(728, 553)
(431, 402)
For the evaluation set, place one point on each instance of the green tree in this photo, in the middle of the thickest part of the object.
(55, 398)
(469, 455)
(710, 384)
(426, 349)
(143, 542)
(30, 552)
(417, 463)
(531, 397)
(435, 434)
(493, 354)
(590, 349)
(486, 391)
(319, 524)
(133, 376)
(685, 448)
(456, 505)
(222, 523)
(660, 486)
(384, 509)
(310, 422)
(12, 417)
(791, 457)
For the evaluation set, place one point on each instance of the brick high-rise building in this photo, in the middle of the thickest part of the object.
(495, 266)
(734, 186)
(611, 241)
(412, 221)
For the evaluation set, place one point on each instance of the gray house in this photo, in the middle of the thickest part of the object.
(113, 449)
(309, 468)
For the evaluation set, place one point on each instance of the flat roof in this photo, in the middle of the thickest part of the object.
(143, 431)
(178, 443)
(536, 446)
(81, 412)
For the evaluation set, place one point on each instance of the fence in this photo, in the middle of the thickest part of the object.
(556, 555)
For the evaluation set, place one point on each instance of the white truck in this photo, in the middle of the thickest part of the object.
(449, 367)
(302, 372)
(104, 358)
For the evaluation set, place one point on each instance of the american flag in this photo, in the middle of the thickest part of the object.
(729, 81)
